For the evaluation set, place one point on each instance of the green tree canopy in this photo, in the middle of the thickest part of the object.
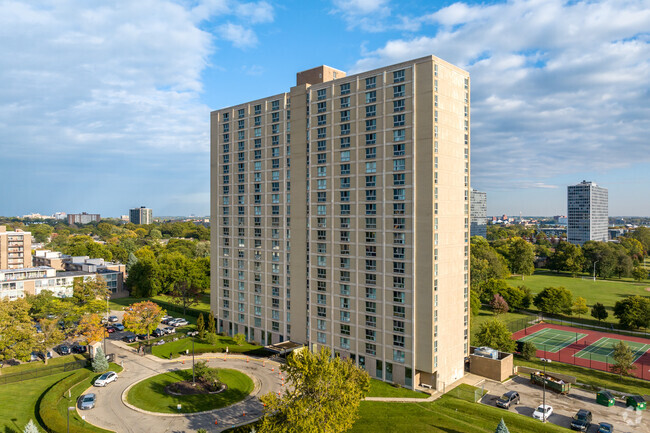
(599, 312)
(642, 234)
(521, 257)
(486, 263)
(494, 333)
(567, 257)
(17, 331)
(580, 306)
(554, 300)
(144, 278)
(323, 395)
(633, 312)
(623, 359)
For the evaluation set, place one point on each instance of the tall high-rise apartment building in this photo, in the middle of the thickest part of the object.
(141, 215)
(83, 218)
(588, 213)
(15, 249)
(478, 213)
(340, 218)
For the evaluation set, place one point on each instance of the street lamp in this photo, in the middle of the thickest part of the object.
(595, 269)
(70, 408)
(544, 393)
(193, 376)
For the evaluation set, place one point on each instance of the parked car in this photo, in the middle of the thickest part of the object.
(543, 412)
(79, 348)
(42, 355)
(113, 319)
(192, 333)
(87, 401)
(507, 399)
(129, 338)
(33, 357)
(106, 378)
(605, 427)
(181, 322)
(169, 330)
(581, 420)
(63, 349)
(173, 320)
(110, 329)
(142, 336)
(636, 402)
(166, 319)
(118, 327)
(157, 333)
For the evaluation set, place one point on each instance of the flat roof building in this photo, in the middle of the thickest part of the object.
(340, 218)
(588, 213)
(141, 215)
(83, 218)
(478, 213)
(15, 249)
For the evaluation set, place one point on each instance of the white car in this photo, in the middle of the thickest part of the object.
(106, 378)
(181, 322)
(543, 412)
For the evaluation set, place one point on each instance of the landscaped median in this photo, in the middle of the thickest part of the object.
(53, 405)
(152, 394)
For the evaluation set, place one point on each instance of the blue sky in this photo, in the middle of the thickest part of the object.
(105, 104)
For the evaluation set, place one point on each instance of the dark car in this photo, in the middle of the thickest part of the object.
(63, 349)
(142, 336)
(157, 333)
(129, 338)
(110, 329)
(605, 427)
(581, 420)
(79, 348)
(507, 399)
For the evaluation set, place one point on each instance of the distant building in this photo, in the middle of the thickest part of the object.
(16, 283)
(124, 218)
(15, 249)
(561, 220)
(37, 216)
(587, 208)
(141, 215)
(83, 218)
(478, 213)
(60, 215)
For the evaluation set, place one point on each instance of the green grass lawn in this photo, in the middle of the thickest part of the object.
(180, 346)
(485, 314)
(448, 414)
(150, 395)
(19, 401)
(120, 303)
(601, 379)
(37, 365)
(380, 388)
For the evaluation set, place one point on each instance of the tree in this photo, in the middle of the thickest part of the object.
(521, 257)
(599, 312)
(42, 304)
(603, 255)
(144, 278)
(624, 265)
(517, 297)
(502, 428)
(17, 332)
(143, 317)
(323, 395)
(494, 333)
(580, 306)
(486, 263)
(554, 300)
(91, 328)
(31, 427)
(499, 305)
(639, 273)
(200, 326)
(623, 359)
(567, 257)
(474, 303)
(49, 336)
(185, 294)
(487, 289)
(130, 262)
(528, 350)
(88, 290)
(99, 363)
(642, 234)
(633, 312)
(240, 339)
(634, 248)
(211, 325)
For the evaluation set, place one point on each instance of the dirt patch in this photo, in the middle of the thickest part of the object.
(186, 387)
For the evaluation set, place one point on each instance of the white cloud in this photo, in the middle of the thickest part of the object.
(260, 12)
(368, 15)
(556, 87)
(240, 36)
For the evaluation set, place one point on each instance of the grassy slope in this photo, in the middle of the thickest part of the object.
(184, 344)
(379, 388)
(149, 394)
(39, 364)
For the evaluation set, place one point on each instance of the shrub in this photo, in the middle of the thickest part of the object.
(100, 364)
(240, 339)
(211, 338)
(528, 350)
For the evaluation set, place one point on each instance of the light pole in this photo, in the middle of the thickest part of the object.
(544, 394)
(193, 376)
(595, 269)
(69, 409)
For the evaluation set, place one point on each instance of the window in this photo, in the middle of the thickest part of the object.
(321, 94)
(371, 307)
(345, 236)
(345, 329)
(345, 168)
(371, 139)
(399, 149)
(399, 311)
(399, 164)
(321, 196)
(345, 196)
(371, 124)
(321, 133)
(371, 349)
(399, 238)
(371, 97)
(371, 153)
(398, 326)
(345, 129)
(345, 88)
(371, 181)
(371, 195)
(345, 115)
(399, 194)
(371, 167)
(399, 179)
(322, 183)
(345, 316)
(321, 107)
(399, 105)
(258, 120)
(345, 155)
(345, 209)
(371, 110)
(275, 105)
(398, 356)
(226, 117)
(322, 171)
(371, 335)
(399, 135)
(322, 339)
(399, 120)
(321, 158)
(345, 182)
(345, 102)
(371, 265)
(345, 142)
(398, 340)
(275, 117)
(321, 119)
(398, 76)
(399, 223)
(399, 267)
(371, 82)
(371, 209)
(398, 91)
(345, 343)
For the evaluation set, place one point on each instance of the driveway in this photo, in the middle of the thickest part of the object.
(113, 414)
(565, 406)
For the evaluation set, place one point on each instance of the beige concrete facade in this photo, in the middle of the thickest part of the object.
(15, 249)
(372, 171)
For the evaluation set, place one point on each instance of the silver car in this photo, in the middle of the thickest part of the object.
(87, 401)
(106, 378)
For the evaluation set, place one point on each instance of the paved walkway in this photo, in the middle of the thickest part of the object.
(113, 414)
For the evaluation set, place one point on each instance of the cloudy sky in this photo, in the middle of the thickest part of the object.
(104, 105)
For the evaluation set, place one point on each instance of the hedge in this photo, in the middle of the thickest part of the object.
(53, 420)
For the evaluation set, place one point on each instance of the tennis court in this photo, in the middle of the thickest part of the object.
(553, 340)
(603, 349)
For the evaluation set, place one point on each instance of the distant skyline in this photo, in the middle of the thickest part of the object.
(105, 105)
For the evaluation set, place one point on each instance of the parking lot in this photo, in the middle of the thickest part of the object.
(623, 419)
